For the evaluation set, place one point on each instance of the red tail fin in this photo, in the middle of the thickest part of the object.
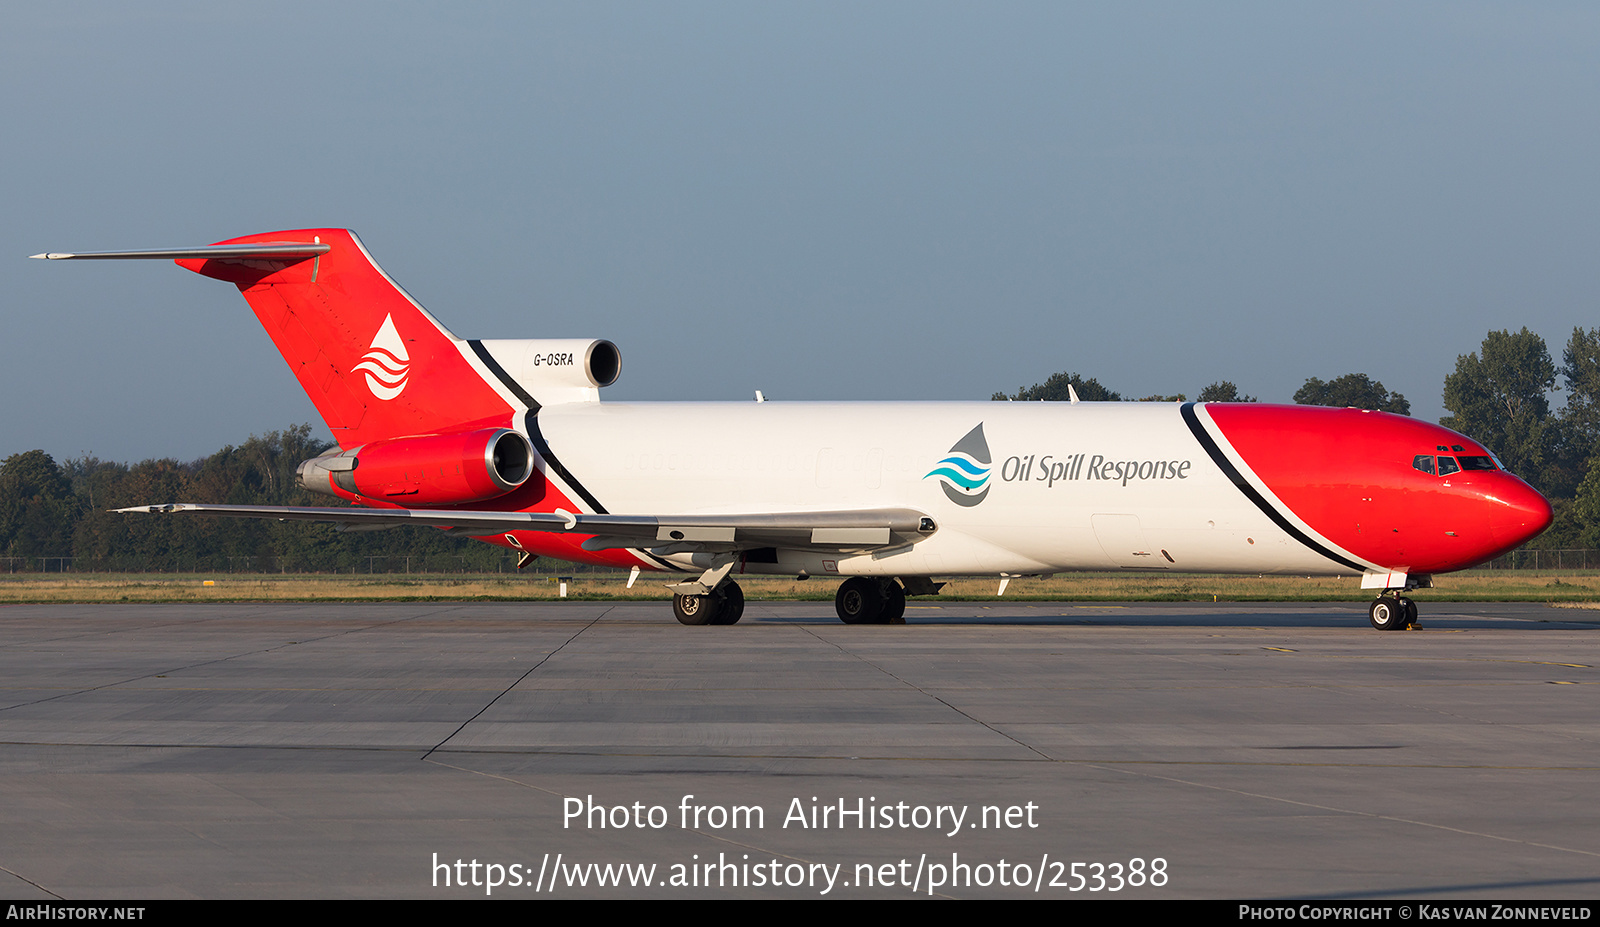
(375, 364)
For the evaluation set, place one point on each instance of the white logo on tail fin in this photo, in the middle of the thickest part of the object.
(387, 364)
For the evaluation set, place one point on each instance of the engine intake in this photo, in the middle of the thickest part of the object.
(558, 370)
(426, 470)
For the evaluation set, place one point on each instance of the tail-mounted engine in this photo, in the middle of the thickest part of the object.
(427, 470)
(556, 370)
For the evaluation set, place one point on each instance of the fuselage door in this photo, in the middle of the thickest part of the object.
(1122, 539)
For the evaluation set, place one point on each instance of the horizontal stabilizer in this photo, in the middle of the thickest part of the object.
(259, 250)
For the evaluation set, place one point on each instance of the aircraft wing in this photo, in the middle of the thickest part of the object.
(859, 530)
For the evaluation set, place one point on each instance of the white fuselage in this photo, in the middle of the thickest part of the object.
(1058, 494)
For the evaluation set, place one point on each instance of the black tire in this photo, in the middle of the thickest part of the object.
(859, 601)
(1387, 614)
(1410, 613)
(894, 605)
(732, 607)
(696, 609)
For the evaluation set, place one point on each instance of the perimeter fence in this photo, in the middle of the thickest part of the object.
(478, 563)
(389, 564)
(1532, 558)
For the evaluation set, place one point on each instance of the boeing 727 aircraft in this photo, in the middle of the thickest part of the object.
(509, 442)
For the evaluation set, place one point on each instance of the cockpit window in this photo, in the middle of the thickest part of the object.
(1448, 465)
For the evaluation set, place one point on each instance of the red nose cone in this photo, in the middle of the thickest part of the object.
(1524, 515)
(1389, 490)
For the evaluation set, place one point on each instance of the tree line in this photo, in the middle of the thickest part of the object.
(1498, 395)
(53, 510)
(1352, 389)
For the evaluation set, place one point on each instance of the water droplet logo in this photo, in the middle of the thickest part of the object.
(964, 475)
(387, 365)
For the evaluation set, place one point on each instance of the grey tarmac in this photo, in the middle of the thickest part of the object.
(1261, 751)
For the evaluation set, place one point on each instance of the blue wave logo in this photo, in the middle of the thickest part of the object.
(964, 475)
(962, 472)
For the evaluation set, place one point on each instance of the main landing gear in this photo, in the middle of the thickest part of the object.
(1392, 612)
(870, 600)
(724, 605)
(861, 600)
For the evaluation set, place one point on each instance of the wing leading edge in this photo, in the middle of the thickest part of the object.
(861, 530)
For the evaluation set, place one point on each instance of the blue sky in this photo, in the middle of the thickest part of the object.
(818, 200)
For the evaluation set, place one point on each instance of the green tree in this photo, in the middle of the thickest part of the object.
(36, 507)
(1580, 367)
(1055, 390)
(1572, 441)
(1223, 391)
(1497, 396)
(1353, 390)
(259, 471)
(1578, 522)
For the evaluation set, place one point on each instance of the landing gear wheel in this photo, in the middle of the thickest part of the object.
(859, 601)
(1410, 613)
(894, 605)
(1387, 613)
(725, 606)
(732, 608)
(694, 609)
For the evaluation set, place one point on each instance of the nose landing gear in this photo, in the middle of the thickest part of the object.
(1392, 612)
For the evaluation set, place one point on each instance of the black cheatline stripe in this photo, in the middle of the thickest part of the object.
(505, 378)
(543, 447)
(1227, 467)
(537, 437)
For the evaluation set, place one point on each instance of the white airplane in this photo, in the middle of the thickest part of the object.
(508, 442)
